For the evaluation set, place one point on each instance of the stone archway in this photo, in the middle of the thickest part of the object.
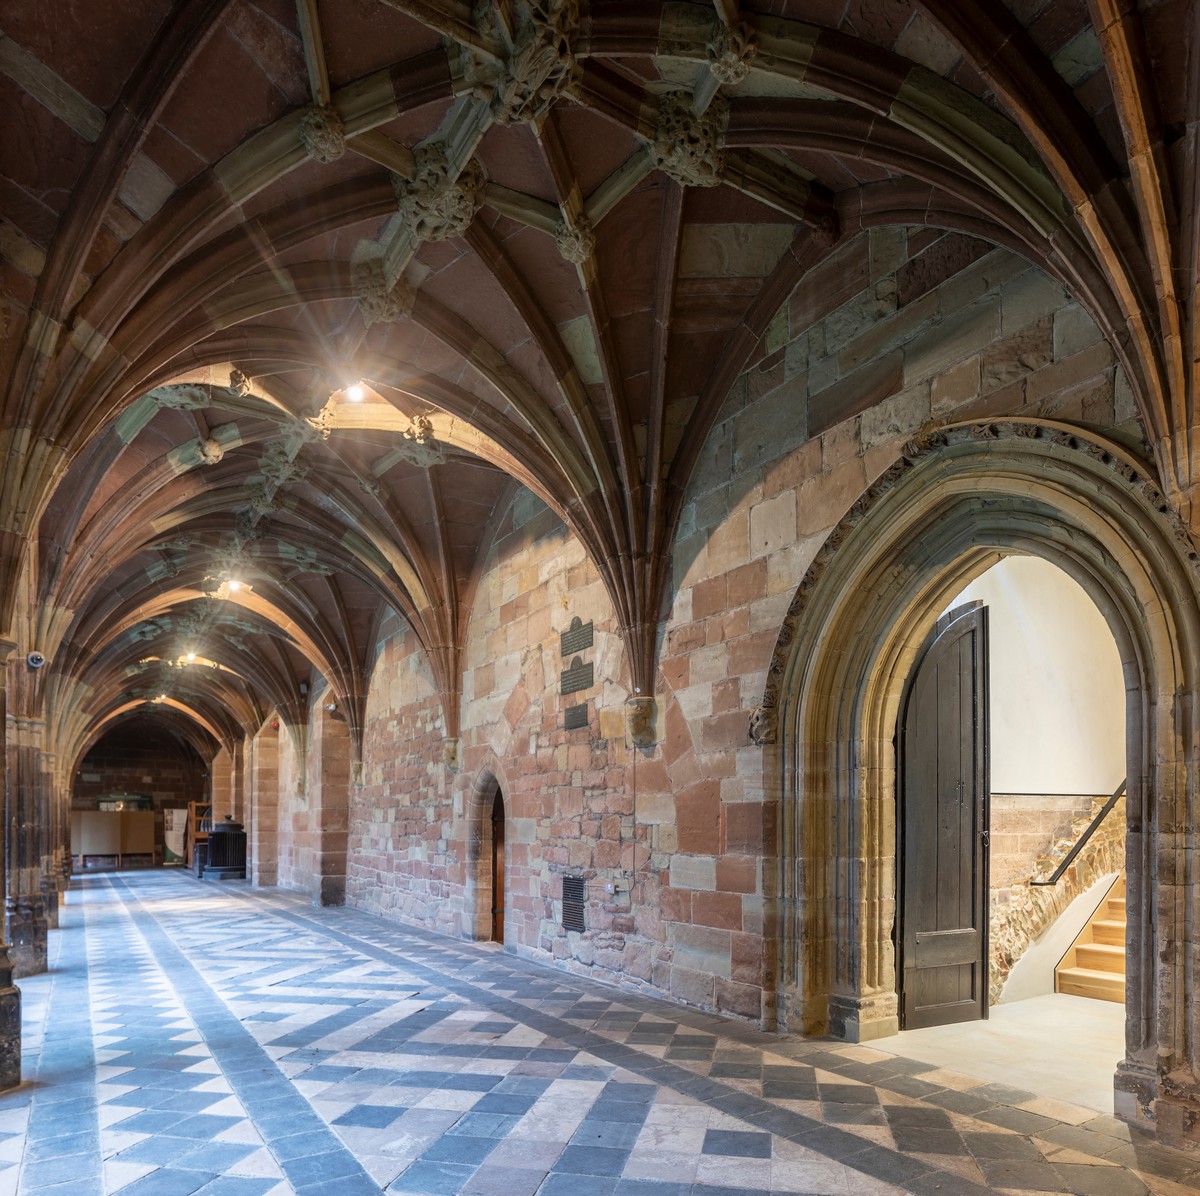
(481, 900)
(957, 500)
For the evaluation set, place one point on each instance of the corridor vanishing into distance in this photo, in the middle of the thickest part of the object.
(190, 1038)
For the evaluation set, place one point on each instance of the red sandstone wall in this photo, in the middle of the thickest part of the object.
(294, 838)
(882, 348)
(130, 765)
(401, 818)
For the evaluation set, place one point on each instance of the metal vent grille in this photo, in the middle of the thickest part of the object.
(573, 898)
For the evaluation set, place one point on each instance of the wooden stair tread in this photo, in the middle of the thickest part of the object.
(1094, 966)
(1087, 982)
(1105, 957)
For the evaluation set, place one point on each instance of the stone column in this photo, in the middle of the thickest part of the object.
(237, 782)
(221, 785)
(263, 826)
(330, 810)
(10, 995)
(49, 842)
(26, 910)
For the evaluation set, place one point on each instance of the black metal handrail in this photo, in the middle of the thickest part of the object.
(1105, 810)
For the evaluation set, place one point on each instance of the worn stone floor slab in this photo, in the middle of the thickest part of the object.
(237, 1042)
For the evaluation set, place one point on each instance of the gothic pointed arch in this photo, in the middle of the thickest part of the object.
(957, 499)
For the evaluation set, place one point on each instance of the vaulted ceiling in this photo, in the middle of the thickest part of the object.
(295, 293)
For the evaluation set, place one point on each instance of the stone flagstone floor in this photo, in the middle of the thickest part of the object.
(192, 1038)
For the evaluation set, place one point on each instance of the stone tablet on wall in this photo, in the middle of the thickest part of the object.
(577, 638)
(578, 677)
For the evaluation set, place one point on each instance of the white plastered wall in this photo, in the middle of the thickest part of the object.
(1057, 691)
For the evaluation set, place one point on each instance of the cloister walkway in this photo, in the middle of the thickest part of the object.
(196, 1038)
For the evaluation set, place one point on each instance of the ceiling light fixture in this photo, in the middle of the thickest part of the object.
(234, 585)
(355, 393)
(191, 656)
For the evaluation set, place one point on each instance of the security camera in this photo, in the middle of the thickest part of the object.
(35, 660)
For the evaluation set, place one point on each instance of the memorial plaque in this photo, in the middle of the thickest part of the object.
(578, 676)
(577, 637)
(575, 718)
(572, 903)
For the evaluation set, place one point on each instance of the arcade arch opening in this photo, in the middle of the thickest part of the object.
(1011, 839)
(960, 499)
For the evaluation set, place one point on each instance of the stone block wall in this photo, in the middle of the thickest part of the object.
(1024, 913)
(329, 801)
(299, 849)
(878, 347)
(402, 815)
(1024, 828)
(311, 805)
(130, 764)
(262, 826)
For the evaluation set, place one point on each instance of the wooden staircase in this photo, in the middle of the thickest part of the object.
(1094, 966)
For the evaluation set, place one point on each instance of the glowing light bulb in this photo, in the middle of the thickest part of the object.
(235, 586)
(191, 656)
(356, 393)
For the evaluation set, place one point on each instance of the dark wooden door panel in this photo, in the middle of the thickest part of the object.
(942, 822)
(498, 868)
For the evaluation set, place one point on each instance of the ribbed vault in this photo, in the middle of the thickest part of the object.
(545, 238)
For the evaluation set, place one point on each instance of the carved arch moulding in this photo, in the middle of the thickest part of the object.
(959, 499)
(764, 728)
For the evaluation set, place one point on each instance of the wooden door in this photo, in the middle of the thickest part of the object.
(498, 868)
(942, 937)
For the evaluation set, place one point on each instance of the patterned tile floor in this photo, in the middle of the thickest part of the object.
(194, 1038)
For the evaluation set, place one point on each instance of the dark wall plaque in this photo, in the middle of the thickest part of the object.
(572, 905)
(575, 717)
(578, 676)
(577, 637)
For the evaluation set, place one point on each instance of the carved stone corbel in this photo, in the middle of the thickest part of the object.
(641, 722)
(690, 148)
(323, 135)
(538, 68)
(731, 52)
(377, 302)
(576, 241)
(434, 205)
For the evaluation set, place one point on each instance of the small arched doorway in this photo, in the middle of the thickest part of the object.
(498, 867)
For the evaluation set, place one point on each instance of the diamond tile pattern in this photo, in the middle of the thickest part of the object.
(190, 1039)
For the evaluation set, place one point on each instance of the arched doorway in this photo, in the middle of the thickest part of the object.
(959, 500)
(1018, 866)
(497, 854)
(488, 851)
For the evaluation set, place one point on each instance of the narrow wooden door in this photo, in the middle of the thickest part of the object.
(498, 868)
(943, 826)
